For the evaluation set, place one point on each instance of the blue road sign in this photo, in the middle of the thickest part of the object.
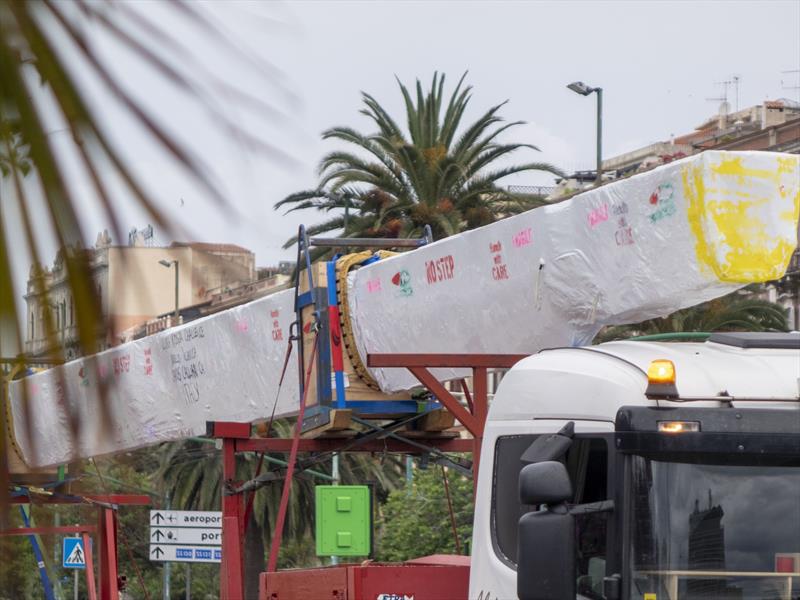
(72, 553)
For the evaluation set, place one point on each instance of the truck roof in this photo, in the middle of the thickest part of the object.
(594, 382)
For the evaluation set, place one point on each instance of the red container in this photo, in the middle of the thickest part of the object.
(439, 577)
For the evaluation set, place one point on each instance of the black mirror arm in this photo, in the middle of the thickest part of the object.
(592, 507)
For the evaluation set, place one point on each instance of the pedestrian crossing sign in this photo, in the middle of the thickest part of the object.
(73, 554)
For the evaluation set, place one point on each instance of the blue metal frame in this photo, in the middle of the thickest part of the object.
(37, 554)
(331, 390)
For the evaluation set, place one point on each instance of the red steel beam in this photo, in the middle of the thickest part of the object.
(480, 388)
(232, 567)
(491, 361)
(107, 559)
(91, 588)
(48, 530)
(444, 396)
(334, 444)
(126, 499)
(228, 429)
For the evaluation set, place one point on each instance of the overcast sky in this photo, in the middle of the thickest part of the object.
(657, 62)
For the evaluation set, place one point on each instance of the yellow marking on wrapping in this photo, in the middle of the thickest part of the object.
(732, 242)
(734, 167)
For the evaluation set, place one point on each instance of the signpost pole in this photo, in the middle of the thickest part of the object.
(167, 563)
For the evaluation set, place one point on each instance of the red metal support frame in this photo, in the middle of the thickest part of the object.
(232, 567)
(474, 417)
(91, 589)
(105, 533)
(236, 438)
(334, 444)
(107, 559)
(126, 499)
(48, 530)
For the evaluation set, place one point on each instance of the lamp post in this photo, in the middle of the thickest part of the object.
(584, 90)
(168, 264)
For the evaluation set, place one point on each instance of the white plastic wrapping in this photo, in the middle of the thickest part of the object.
(163, 387)
(632, 250)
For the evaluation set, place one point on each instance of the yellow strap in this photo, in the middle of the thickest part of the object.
(343, 266)
(9, 416)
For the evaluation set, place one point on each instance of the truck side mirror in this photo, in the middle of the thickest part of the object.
(544, 483)
(550, 447)
(546, 538)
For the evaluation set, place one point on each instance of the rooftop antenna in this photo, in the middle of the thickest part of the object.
(724, 107)
(736, 79)
(796, 86)
(725, 85)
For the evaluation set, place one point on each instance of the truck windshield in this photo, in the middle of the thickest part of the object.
(715, 531)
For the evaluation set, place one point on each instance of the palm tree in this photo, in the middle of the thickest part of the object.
(47, 49)
(438, 172)
(734, 312)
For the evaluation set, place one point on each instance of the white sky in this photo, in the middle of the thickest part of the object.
(657, 62)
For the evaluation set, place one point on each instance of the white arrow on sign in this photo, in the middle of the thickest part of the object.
(204, 519)
(185, 535)
(185, 553)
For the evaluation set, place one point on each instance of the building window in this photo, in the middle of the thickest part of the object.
(32, 330)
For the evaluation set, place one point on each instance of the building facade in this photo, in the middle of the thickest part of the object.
(132, 287)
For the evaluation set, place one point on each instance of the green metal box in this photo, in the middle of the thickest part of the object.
(344, 520)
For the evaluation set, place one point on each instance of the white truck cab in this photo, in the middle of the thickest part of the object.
(672, 480)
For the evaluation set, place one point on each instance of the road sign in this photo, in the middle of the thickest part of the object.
(185, 535)
(72, 554)
(185, 553)
(186, 518)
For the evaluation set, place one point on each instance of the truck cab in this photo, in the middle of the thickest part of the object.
(643, 470)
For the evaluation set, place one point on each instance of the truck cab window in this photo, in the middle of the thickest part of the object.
(587, 464)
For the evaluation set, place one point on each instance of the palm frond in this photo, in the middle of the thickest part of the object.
(47, 50)
(428, 176)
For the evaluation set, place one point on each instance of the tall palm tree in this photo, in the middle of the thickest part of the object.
(734, 312)
(439, 171)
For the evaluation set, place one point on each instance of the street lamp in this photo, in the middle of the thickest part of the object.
(168, 264)
(584, 90)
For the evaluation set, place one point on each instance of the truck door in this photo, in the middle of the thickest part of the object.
(590, 462)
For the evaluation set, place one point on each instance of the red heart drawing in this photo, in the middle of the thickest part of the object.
(396, 279)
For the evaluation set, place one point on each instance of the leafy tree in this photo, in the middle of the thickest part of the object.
(416, 521)
(440, 172)
(734, 312)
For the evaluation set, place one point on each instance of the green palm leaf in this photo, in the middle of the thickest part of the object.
(42, 47)
(438, 171)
